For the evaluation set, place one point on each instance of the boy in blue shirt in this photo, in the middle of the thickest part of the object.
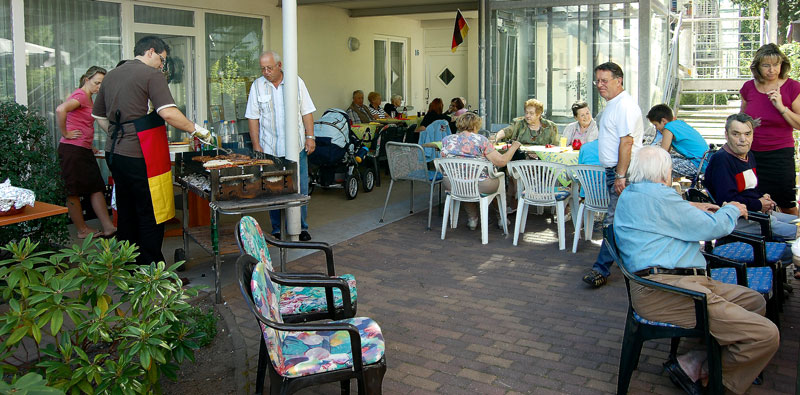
(687, 143)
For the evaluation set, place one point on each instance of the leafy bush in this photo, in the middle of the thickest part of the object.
(719, 99)
(64, 323)
(29, 160)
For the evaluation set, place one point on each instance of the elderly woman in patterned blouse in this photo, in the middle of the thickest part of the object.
(467, 143)
(531, 129)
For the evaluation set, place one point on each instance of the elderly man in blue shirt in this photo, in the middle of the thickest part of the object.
(657, 235)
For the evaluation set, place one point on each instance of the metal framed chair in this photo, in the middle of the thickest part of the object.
(593, 183)
(537, 185)
(464, 175)
(300, 355)
(638, 329)
(302, 296)
(407, 162)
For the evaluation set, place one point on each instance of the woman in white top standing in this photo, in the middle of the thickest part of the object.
(584, 128)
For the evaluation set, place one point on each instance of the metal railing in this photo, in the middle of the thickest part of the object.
(722, 47)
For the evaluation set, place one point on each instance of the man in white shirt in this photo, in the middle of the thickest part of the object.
(621, 129)
(266, 121)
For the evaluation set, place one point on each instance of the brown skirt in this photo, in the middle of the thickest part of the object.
(79, 170)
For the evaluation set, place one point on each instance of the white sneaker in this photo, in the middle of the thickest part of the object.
(511, 210)
(472, 223)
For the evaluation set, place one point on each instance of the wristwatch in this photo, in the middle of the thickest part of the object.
(310, 137)
(618, 176)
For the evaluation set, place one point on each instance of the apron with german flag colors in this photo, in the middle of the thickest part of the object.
(152, 133)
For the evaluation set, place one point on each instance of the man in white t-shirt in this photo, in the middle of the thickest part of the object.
(266, 121)
(621, 129)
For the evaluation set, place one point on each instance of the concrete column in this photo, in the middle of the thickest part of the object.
(482, 48)
(773, 21)
(290, 94)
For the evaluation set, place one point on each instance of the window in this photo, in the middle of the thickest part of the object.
(233, 44)
(163, 16)
(390, 67)
(63, 39)
(6, 53)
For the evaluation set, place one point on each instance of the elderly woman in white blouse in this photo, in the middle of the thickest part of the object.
(584, 128)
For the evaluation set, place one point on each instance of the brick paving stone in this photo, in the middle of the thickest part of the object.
(491, 360)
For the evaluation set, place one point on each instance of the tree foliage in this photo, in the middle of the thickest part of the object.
(792, 51)
(788, 11)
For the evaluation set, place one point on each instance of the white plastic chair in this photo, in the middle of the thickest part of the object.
(593, 184)
(407, 162)
(464, 175)
(538, 185)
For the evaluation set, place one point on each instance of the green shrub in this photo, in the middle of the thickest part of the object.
(719, 99)
(29, 160)
(90, 321)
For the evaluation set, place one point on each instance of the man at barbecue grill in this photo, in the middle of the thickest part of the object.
(133, 105)
(265, 114)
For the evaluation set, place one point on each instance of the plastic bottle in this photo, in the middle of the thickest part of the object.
(361, 153)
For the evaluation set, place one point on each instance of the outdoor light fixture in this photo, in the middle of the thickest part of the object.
(353, 44)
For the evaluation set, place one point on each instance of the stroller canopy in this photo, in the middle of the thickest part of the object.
(333, 124)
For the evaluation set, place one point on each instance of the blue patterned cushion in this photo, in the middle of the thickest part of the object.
(642, 320)
(743, 252)
(759, 279)
(561, 195)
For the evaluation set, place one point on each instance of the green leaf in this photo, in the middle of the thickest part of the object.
(144, 358)
(17, 335)
(37, 333)
(55, 322)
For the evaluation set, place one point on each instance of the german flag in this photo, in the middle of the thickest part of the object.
(459, 31)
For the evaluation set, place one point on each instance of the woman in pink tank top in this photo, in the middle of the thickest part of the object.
(774, 98)
(79, 168)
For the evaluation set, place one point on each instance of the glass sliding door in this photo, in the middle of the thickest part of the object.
(63, 39)
(549, 53)
(233, 46)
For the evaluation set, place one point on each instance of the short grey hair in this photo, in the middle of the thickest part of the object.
(651, 163)
(396, 97)
(275, 56)
(743, 118)
(357, 92)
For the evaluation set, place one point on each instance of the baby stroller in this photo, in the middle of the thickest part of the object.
(337, 161)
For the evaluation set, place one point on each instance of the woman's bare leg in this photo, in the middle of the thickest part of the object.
(76, 214)
(101, 210)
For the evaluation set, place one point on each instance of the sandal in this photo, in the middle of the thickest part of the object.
(94, 233)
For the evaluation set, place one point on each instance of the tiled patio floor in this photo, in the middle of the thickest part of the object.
(460, 317)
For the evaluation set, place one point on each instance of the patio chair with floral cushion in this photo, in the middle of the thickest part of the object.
(302, 296)
(300, 355)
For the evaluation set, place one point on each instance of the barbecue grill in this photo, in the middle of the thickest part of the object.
(259, 182)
